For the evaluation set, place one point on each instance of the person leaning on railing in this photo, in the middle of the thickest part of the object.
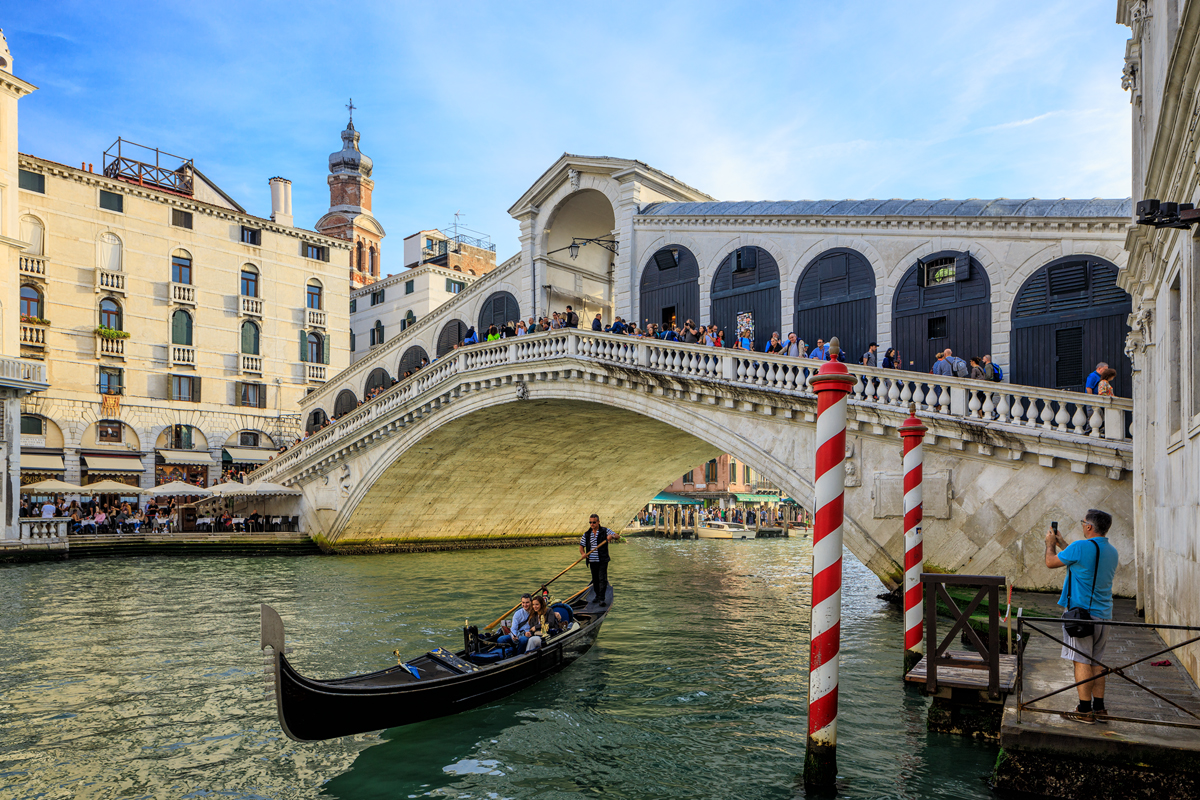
(1091, 565)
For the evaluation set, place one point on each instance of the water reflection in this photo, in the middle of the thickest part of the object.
(142, 678)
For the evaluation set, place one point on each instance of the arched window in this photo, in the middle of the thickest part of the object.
(409, 319)
(181, 328)
(31, 301)
(33, 233)
(110, 314)
(249, 338)
(316, 350)
(374, 262)
(345, 403)
(358, 259)
(377, 333)
(313, 297)
(108, 252)
(249, 285)
(181, 267)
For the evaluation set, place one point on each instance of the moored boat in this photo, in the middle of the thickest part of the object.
(436, 684)
(716, 529)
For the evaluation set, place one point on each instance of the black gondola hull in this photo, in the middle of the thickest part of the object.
(312, 710)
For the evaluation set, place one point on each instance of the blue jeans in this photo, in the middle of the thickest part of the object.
(520, 641)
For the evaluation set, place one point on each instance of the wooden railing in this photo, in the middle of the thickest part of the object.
(937, 653)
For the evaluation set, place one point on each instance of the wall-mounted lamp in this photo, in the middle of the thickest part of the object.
(610, 245)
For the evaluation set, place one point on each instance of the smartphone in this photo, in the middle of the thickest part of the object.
(1054, 526)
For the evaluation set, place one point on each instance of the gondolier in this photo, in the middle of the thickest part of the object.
(594, 544)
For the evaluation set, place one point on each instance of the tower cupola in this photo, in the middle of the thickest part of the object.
(350, 159)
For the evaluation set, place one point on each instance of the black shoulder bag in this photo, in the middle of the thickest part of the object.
(1077, 622)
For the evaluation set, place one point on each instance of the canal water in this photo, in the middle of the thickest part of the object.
(142, 678)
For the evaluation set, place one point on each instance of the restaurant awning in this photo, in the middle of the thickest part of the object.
(248, 455)
(122, 464)
(40, 462)
(186, 457)
(669, 499)
(757, 498)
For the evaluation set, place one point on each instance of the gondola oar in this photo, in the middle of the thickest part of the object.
(513, 610)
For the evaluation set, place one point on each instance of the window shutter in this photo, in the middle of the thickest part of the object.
(326, 347)
(303, 345)
(262, 395)
(382, 294)
(921, 272)
(962, 267)
(195, 388)
(237, 393)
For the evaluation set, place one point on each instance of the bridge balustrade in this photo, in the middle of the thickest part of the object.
(971, 401)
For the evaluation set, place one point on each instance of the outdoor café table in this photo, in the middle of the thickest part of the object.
(205, 523)
(238, 523)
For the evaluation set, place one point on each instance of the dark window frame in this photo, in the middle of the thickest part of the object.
(31, 181)
(181, 269)
(107, 317)
(248, 280)
(112, 201)
(251, 236)
(181, 218)
(104, 386)
(110, 431)
(41, 425)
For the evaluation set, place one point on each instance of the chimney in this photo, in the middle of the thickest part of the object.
(281, 201)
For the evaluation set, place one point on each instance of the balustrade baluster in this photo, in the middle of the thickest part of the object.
(898, 394)
(1047, 415)
(1062, 418)
(974, 406)
(944, 400)
(1002, 407)
(760, 375)
(989, 406)
(1079, 420)
(859, 390)
(741, 370)
(1096, 421)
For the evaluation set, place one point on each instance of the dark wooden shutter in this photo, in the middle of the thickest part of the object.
(921, 272)
(1068, 286)
(262, 395)
(665, 259)
(1068, 358)
(962, 267)
(303, 345)
(325, 348)
(237, 393)
(195, 388)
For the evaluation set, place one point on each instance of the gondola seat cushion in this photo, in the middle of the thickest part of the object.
(564, 612)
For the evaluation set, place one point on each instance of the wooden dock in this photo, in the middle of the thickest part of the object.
(1043, 753)
(966, 670)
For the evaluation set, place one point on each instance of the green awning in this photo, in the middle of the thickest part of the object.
(668, 499)
(757, 498)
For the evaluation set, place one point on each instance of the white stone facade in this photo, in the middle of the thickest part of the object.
(386, 308)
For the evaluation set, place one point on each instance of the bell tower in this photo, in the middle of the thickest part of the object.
(349, 215)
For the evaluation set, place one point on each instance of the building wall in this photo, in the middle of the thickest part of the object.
(1163, 275)
(73, 223)
(429, 292)
(723, 484)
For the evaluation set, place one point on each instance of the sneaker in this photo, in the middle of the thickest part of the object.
(1100, 715)
(1085, 717)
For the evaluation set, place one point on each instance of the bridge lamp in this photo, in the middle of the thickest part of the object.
(574, 248)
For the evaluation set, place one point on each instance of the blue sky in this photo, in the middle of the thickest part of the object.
(463, 105)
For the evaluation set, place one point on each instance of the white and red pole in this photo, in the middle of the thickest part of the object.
(833, 384)
(913, 433)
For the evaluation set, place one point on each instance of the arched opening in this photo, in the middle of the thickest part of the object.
(250, 338)
(409, 320)
(34, 234)
(943, 301)
(1067, 317)
(108, 252)
(181, 267)
(745, 296)
(412, 359)
(587, 277)
(374, 261)
(358, 256)
(110, 314)
(835, 296)
(378, 379)
(31, 303)
(316, 348)
(453, 332)
(316, 420)
(249, 286)
(182, 437)
(181, 328)
(313, 296)
(345, 403)
(670, 287)
(498, 309)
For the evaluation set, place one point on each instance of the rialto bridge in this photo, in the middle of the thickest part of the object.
(525, 437)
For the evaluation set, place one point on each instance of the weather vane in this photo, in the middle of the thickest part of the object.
(351, 107)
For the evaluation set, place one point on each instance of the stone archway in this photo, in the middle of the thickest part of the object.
(584, 281)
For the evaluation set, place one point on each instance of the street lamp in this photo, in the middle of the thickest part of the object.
(611, 245)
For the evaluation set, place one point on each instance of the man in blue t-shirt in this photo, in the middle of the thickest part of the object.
(1093, 378)
(1091, 565)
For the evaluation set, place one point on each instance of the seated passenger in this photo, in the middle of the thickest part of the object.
(543, 623)
(519, 633)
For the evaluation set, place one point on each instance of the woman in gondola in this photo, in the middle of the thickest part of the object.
(541, 620)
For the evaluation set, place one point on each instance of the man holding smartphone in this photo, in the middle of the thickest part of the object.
(1091, 565)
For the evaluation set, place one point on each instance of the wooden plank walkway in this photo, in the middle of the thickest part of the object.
(971, 675)
(1112, 759)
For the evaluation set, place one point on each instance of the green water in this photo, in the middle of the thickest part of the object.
(142, 678)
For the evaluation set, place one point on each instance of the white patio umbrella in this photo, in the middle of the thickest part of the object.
(52, 486)
(267, 489)
(178, 489)
(111, 487)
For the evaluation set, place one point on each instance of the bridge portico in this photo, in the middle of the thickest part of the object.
(526, 436)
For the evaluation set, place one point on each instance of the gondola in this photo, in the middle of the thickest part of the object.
(436, 684)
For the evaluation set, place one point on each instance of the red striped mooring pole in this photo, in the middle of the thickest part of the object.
(913, 433)
(832, 384)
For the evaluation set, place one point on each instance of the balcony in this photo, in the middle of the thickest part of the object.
(252, 364)
(183, 294)
(182, 355)
(314, 318)
(113, 348)
(108, 280)
(315, 373)
(34, 266)
(252, 307)
(33, 336)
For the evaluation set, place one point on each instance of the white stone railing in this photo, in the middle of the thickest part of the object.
(317, 372)
(183, 355)
(252, 306)
(1020, 408)
(183, 293)
(110, 280)
(252, 364)
(22, 371)
(33, 265)
(34, 528)
(314, 318)
(109, 347)
(33, 335)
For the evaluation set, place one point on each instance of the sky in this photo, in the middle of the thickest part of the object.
(463, 105)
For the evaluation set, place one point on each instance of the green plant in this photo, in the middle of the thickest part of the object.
(30, 319)
(111, 333)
